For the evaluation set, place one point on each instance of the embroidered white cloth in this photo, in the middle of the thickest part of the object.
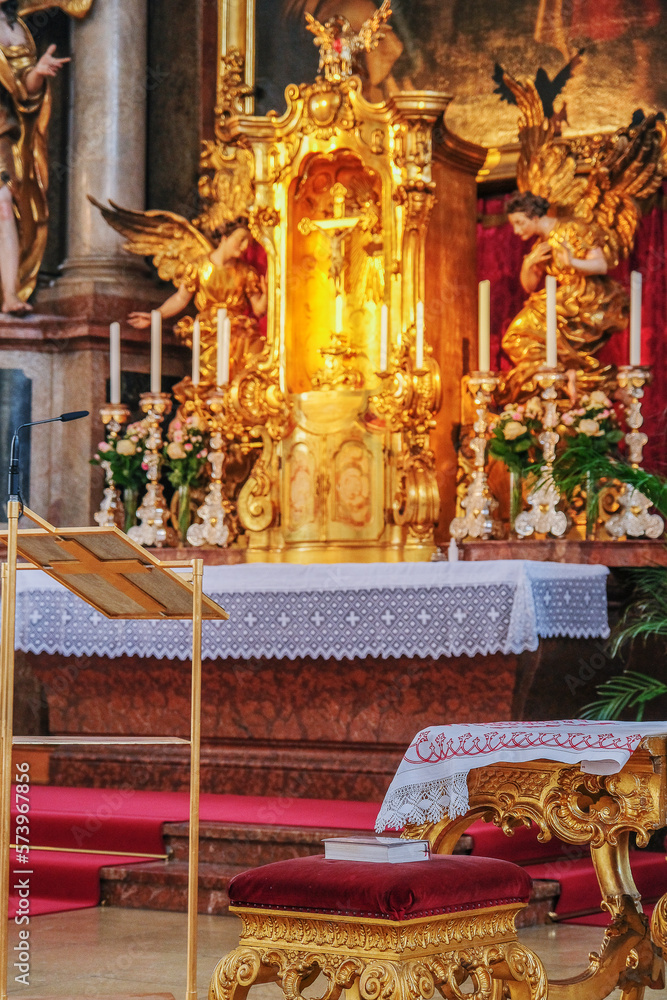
(432, 779)
(343, 610)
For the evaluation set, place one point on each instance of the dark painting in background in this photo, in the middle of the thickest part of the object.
(452, 45)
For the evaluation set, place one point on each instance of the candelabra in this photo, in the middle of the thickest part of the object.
(153, 514)
(543, 518)
(479, 502)
(633, 517)
(407, 401)
(212, 530)
(113, 415)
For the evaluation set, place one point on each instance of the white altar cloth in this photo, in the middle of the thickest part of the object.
(432, 779)
(344, 610)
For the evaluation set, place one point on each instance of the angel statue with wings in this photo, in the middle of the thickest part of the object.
(582, 225)
(212, 271)
(340, 45)
(24, 116)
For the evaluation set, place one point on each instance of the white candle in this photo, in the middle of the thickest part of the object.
(224, 338)
(484, 326)
(114, 363)
(419, 340)
(635, 319)
(552, 325)
(196, 350)
(338, 322)
(156, 351)
(384, 337)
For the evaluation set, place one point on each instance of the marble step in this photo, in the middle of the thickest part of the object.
(163, 885)
(251, 846)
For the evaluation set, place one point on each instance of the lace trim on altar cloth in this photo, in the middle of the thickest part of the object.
(427, 802)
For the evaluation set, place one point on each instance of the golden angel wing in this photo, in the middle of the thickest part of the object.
(317, 29)
(627, 169)
(369, 34)
(76, 8)
(546, 166)
(173, 243)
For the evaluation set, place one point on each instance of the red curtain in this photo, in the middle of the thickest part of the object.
(499, 257)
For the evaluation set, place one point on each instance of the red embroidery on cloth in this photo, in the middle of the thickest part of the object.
(426, 749)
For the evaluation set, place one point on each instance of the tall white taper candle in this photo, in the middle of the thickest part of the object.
(635, 319)
(338, 317)
(196, 351)
(114, 363)
(419, 338)
(552, 325)
(384, 337)
(224, 337)
(484, 326)
(156, 351)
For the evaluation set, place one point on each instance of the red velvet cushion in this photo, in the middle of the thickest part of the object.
(443, 884)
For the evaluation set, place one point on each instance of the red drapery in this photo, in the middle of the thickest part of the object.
(499, 257)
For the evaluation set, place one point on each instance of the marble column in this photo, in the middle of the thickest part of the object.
(107, 150)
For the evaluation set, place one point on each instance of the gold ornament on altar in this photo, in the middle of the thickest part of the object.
(583, 207)
(339, 44)
(322, 448)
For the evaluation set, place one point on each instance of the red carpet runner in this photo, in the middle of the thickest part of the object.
(118, 820)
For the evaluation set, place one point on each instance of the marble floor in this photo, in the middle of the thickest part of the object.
(110, 952)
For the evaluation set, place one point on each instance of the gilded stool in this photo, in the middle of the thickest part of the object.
(382, 931)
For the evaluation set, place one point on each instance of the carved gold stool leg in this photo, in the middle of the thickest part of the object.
(382, 932)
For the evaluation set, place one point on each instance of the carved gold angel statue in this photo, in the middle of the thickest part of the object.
(24, 116)
(584, 224)
(339, 44)
(210, 270)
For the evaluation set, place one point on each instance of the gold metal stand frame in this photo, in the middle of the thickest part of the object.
(121, 580)
(587, 810)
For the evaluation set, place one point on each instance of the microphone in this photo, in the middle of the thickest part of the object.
(13, 487)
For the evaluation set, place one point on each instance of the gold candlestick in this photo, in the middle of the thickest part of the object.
(479, 502)
(111, 511)
(212, 530)
(633, 517)
(153, 513)
(543, 518)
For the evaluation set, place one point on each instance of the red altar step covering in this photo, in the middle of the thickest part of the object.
(127, 820)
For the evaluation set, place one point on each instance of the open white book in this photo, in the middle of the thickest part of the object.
(381, 849)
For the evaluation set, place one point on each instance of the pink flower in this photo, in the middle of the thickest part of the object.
(176, 425)
(202, 453)
(187, 446)
(603, 414)
(568, 419)
(103, 446)
(144, 466)
(177, 436)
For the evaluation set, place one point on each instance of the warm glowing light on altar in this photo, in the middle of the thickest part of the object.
(419, 337)
(384, 337)
(114, 363)
(552, 348)
(338, 321)
(224, 337)
(196, 350)
(156, 350)
(635, 319)
(484, 326)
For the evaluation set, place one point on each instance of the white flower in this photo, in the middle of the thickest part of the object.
(534, 408)
(175, 450)
(513, 429)
(597, 400)
(125, 447)
(590, 428)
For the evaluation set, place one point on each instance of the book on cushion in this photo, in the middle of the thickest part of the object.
(380, 849)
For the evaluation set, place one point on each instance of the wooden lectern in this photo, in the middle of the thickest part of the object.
(121, 580)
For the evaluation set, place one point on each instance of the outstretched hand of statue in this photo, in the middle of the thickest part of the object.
(47, 65)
